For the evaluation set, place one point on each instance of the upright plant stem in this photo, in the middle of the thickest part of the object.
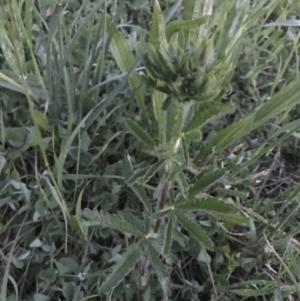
(167, 184)
(163, 199)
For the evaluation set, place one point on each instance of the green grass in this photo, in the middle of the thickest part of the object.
(149, 150)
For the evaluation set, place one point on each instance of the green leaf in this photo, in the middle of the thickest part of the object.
(123, 267)
(195, 229)
(40, 120)
(157, 262)
(131, 218)
(179, 25)
(205, 181)
(16, 136)
(78, 211)
(236, 193)
(139, 133)
(105, 219)
(182, 183)
(71, 291)
(66, 265)
(127, 167)
(193, 135)
(137, 189)
(205, 112)
(185, 149)
(206, 204)
(60, 162)
(7, 48)
(40, 297)
(138, 174)
(231, 218)
(62, 205)
(161, 213)
(192, 9)
(249, 292)
(157, 35)
(284, 23)
(160, 270)
(153, 170)
(227, 136)
(124, 58)
(169, 234)
(48, 275)
(144, 174)
(158, 99)
(288, 96)
(140, 192)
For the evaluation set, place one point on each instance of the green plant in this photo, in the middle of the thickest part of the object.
(189, 70)
(136, 167)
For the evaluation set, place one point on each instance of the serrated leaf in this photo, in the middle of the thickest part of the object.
(231, 218)
(105, 219)
(153, 170)
(161, 213)
(205, 181)
(123, 267)
(205, 112)
(144, 174)
(139, 133)
(139, 173)
(181, 181)
(236, 193)
(157, 262)
(132, 219)
(179, 25)
(169, 234)
(140, 192)
(206, 204)
(157, 35)
(160, 270)
(195, 229)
